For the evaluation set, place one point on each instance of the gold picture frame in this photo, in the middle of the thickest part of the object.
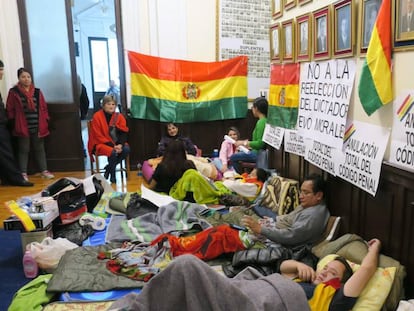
(322, 33)
(344, 28)
(289, 4)
(288, 41)
(304, 37)
(404, 22)
(275, 55)
(368, 16)
(277, 8)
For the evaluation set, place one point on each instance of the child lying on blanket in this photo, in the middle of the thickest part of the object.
(335, 287)
(246, 185)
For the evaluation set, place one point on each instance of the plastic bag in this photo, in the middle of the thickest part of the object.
(48, 253)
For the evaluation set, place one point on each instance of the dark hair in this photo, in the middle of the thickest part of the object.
(262, 174)
(261, 104)
(175, 158)
(318, 183)
(1, 64)
(21, 70)
(234, 129)
(166, 128)
(348, 270)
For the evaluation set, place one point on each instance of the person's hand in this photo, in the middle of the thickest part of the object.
(118, 148)
(374, 245)
(252, 224)
(305, 273)
(244, 143)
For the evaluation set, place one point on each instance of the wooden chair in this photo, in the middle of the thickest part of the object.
(98, 166)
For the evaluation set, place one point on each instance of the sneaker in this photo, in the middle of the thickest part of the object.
(25, 177)
(46, 174)
(96, 222)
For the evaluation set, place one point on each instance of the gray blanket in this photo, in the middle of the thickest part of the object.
(190, 284)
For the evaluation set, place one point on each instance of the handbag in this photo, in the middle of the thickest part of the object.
(71, 204)
(113, 130)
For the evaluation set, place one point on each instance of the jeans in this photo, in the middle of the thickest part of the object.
(244, 157)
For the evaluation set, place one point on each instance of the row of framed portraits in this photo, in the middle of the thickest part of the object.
(332, 31)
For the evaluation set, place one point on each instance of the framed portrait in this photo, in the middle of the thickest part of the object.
(322, 33)
(303, 37)
(288, 35)
(289, 4)
(277, 8)
(275, 43)
(344, 29)
(404, 24)
(368, 16)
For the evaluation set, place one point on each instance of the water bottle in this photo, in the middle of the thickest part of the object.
(139, 168)
(215, 153)
(30, 267)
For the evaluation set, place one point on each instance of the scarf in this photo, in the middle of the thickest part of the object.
(29, 94)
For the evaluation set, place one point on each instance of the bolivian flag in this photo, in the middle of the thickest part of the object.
(284, 95)
(170, 90)
(375, 85)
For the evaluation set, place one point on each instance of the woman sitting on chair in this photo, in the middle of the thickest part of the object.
(108, 136)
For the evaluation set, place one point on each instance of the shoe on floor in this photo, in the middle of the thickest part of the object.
(25, 177)
(96, 222)
(46, 174)
(23, 183)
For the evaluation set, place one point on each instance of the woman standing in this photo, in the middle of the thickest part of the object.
(259, 110)
(108, 136)
(27, 110)
(172, 133)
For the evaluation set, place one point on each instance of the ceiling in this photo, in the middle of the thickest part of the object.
(92, 9)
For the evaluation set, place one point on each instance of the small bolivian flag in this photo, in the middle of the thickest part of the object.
(284, 95)
(170, 90)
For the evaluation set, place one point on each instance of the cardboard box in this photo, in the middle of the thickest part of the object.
(35, 236)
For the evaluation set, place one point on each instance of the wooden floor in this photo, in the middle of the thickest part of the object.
(133, 183)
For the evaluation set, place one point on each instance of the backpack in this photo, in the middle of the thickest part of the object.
(281, 195)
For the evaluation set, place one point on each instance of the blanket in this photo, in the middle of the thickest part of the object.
(178, 215)
(203, 191)
(212, 291)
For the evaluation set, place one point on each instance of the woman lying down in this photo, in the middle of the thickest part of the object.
(190, 284)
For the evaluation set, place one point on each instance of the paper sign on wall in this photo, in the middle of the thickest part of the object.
(294, 142)
(273, 135)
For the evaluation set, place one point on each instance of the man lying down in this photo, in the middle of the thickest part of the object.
(190, 284)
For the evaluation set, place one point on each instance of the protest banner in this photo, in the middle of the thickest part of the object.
(322, 155)
(363, 151)
(402, 139)
(294, 142)
(325, 91)
(273, 135)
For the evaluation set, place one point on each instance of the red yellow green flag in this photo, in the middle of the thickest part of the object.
(284, 95)
(170, 90)
(375, 84)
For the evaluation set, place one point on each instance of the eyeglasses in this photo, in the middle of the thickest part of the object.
(302, 192)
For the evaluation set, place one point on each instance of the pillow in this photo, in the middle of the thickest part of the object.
(375, 292)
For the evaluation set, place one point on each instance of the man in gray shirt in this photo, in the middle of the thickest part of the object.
(302, 226)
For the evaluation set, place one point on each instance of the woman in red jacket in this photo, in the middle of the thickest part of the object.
(27, 110)
(108, 136)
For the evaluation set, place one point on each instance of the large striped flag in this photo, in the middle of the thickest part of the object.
(375, 84)
(170, 90)
(284, 95)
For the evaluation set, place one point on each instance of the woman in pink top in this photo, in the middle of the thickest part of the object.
(226, 150)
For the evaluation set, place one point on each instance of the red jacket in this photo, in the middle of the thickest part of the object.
(99, 138)
(15, 111)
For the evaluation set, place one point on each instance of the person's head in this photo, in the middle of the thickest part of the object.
(112, 83)
(260, 105)
(312, 191)
(1, 69)
(338, 268)
(410, 6)
(109, 104)
(171, 129)
(322, 26)
(233, 132)
(261, 174)
(174, 157)
(344, 25)
(24, 76)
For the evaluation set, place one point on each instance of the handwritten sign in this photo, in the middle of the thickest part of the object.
(273, 135)
(362, 155)
(402, 141)
(325, 92)
(321, 155)
(294, 142)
